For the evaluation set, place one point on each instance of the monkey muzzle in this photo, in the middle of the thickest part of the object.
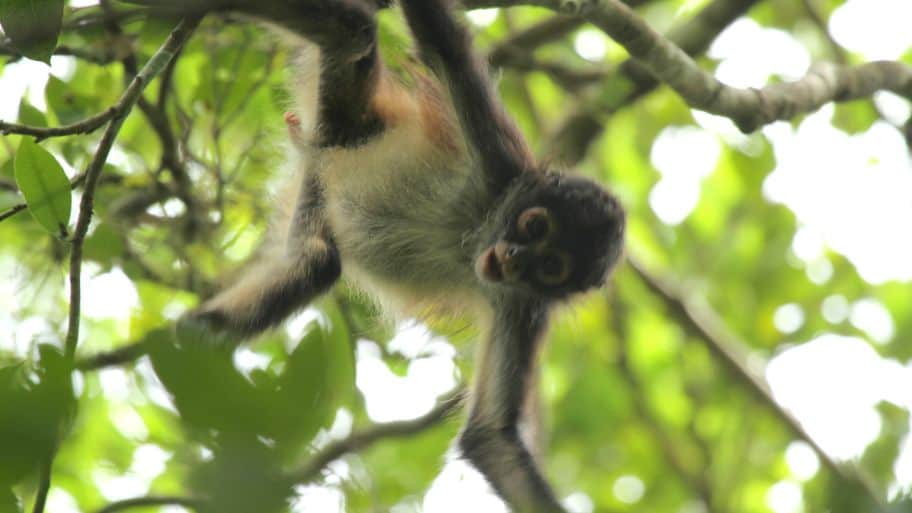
(502, 262)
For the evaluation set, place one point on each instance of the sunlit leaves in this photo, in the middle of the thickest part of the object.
(286, 406)
(45, 186)
(32, 26)
(627, 396)
(252, 422)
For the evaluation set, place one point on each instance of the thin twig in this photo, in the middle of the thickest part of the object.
(838, 52)
(150, 500)
(85, 126)
(19, 207)
(13, 210)
(530, 38)
(447, 404)
(44, 483)
(93, 171)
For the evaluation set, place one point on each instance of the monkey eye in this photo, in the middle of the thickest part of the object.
(553, 268)
(536, 223)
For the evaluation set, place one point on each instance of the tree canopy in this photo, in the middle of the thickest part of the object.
(753, 353)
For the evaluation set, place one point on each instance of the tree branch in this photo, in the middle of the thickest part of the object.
(149, 500)
(836, 51)
(573, 138)
(93, 171)
(357, 441)
(44, 483)
(524, 42)
(84, 126)
(748, 108)
(702, 322)
(534, 36)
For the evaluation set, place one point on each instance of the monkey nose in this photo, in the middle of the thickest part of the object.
(513, 258)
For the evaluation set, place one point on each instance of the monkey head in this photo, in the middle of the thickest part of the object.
(555, 235)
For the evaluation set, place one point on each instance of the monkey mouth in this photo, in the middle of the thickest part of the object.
(487, 266)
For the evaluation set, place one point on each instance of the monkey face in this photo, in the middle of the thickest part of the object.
(563, 236)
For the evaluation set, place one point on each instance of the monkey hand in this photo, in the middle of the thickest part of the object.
(205, 326)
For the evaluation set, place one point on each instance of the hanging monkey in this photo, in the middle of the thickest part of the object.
(428, 197)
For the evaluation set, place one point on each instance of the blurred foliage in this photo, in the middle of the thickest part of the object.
(628, 388)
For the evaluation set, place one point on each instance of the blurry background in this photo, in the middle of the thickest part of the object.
(754, 356)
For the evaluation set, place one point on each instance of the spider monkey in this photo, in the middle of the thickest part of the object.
(426, 195)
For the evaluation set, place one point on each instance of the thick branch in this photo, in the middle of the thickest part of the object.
(702, 322)
(694, 36)
(361, 439)
(748, 108)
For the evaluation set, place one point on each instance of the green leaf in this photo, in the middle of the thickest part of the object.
(8, 200)
(69, 105)
(244, 475)
(211, 395)
(29, 115)
(45, 186)
(32, 26)
(8, 501)
(104, 245)
(306, 383)
(37, 407)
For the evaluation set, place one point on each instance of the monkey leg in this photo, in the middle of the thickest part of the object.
(287, 273)
(345, 32)
(272, 289)
(491, 440)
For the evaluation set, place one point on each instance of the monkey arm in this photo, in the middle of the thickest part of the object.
(491, 439)
(446, 47)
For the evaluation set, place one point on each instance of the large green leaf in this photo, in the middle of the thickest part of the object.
(32, 26)
(36, 410)
(29, 115)
(45, 186)
(8, 501)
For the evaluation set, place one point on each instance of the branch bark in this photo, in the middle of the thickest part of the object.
(748, 108)
(84, 126)
(357, 441)
(580, 129)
